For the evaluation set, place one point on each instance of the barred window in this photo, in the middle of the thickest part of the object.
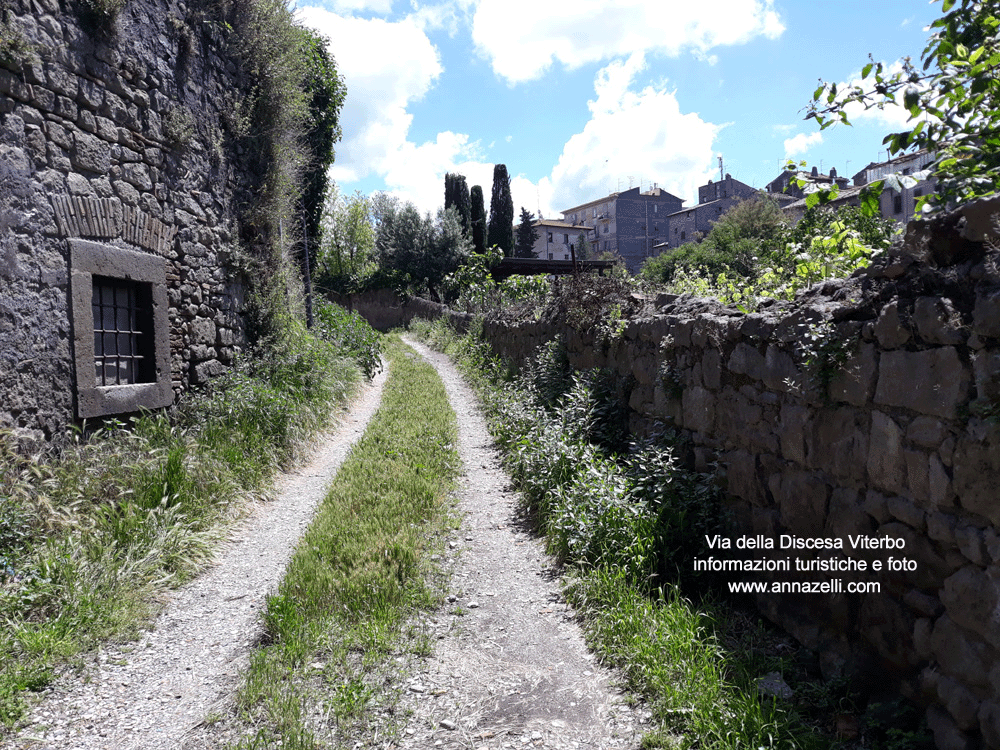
(122, 332)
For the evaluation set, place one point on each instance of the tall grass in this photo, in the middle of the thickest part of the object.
(356, 575)
(87, 539)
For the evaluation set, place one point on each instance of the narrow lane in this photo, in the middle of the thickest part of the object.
(510, 668)
(147, 695)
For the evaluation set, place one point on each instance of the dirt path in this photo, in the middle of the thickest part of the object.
(510, 669)
(147, 695)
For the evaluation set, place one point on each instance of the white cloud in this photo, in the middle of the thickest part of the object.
(523, 38)
(633, 135)
(378, 7)
(380, 87)
(801, 143)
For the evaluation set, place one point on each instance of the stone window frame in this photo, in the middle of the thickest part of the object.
(86, 260)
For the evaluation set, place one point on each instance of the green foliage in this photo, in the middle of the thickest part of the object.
(953, 98)
(471, 288)
(15, 49)
(456, 195)
(98, 16)
(826, 243)
(345, 259)
(90, 538)
(527, 235)
(351, 334)
(477, 219)
(500, 230)
(288, 114)
(415, 253)
(325, 91)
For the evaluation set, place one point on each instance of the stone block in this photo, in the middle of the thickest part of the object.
(837, 441)
(960, 654)
(802, 501)
(205, 371)
(698, 409)
(202, 331)
(989, 723)
(916, 477)
(922, 637)
(937, 321)
(926, 432)
(959, 701)
(971, 543)
(941, 528)
(970, 595)
(876, 506)
(792, 432)
(986, 314)
(930, 382)
(986, 372)
(889, 328)
(780, 372)
(741, 476)
(846, 515)
(855, 383)
(888, 626)
(924, 604)
(907, 512)
(885, 459)
(746, 360)
(90, 153)
(711, 367)
(976, 466)
(947, 736)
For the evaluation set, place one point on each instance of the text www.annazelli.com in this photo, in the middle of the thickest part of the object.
(832, 586)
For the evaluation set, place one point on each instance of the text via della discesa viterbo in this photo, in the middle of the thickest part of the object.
(789, 564)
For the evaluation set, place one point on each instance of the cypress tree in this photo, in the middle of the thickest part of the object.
(500, 230)
(478, 219)
(527, 235)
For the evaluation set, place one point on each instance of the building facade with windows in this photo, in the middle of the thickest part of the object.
(894, 204)
(628, 223)
(117, 233)
(557, 240)
(714, 199)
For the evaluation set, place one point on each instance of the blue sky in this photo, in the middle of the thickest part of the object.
(581, 98)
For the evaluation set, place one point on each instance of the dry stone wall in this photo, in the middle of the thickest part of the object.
(896, 438)
(116, 135)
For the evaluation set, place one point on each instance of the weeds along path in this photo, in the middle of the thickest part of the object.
(147, 695)
(510, 668)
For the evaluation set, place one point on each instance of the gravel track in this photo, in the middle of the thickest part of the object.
(510, 669)
(148, 695)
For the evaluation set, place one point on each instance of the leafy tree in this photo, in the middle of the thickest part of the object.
(500, 231)
(582, 248)
(527, 235)
(416, 252)
(325, 92)
(953, 98)
(456, 195)
(348, 241)
(751, 231)
(478, 220)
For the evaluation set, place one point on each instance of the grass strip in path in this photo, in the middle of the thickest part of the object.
(323, 670)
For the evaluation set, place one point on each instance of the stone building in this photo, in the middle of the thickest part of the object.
(900, 206)
(628, 223)
(118, 202)
(557, 240)
(714, 199)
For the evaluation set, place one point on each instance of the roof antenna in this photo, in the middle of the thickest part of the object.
(722, 174)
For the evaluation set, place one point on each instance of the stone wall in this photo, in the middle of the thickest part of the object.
(118, 135)
(899, 440)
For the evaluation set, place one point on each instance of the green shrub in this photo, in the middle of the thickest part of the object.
(350, 333)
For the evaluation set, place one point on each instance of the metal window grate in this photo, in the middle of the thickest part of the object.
(122, 335)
